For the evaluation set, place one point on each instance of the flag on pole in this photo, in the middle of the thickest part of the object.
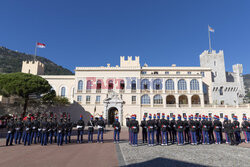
(210, 29)
(40, 45)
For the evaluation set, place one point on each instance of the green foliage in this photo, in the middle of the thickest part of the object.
(11, 62)
(24, 85)
(60, 101)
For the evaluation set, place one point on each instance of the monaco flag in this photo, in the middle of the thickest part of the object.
(210, 29)
(40, 45)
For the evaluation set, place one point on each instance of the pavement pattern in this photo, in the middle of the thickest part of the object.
(112, 155)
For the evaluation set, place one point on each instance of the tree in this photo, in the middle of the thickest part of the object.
(26, 86)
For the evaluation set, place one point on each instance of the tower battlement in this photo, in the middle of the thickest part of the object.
(129, 62)
(33, 67)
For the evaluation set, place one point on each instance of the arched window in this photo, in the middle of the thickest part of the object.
(169, 84)
(99, 84)
(194, 85)
(158, 99)
(145, 99)
(111, 85)
(133, 85)
(157, 84)
(63, 91)
(182, 85)
(89, 84)
(80, 85)
(122, 84)
(145, 84)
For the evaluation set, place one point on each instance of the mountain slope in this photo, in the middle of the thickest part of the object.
(11, 61)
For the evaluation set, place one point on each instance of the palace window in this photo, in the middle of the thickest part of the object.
(99, 84)
(169, 84)
(203, 73)
(111, 85)
(89, 84)
(145, 99)
(182, 85)
(79, 98)
(155, 72)
(157, 85)
(221, 90)
(133, 85)
(189, 73)
(194, 84)
(145, 84)
(158, 99)
(122, 84)
(98, 99)
(63, 91)
(80, 85)
(133, 99)
(178, 72)
(87, 99)
(167, 73)
(143, 72)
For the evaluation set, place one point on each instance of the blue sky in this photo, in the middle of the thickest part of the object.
(97, 32)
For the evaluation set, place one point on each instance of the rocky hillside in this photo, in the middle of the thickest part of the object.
(11, 61)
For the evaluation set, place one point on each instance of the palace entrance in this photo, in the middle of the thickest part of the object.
(112, 113)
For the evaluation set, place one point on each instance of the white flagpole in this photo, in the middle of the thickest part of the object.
(210, 49)
(35, 52)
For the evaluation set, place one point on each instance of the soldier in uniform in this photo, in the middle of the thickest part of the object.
(246, 129)
(68, 130)
(150, 126)
(60, 131)
(10, 132)
(35, 126)
(180, 131)
(169, 128)
(28, 129)
(50, 129)
(144, 129)
(117, 130)
(217, 128)
(39, 136)
(164, 134)
(100, 126)
(198, 129)
(44, 127)
(158, 129)
(173, 129)
(237, 130)
(205, 129)
(18, 130)
(225, 128)
(192, 126)
(135, 130)
(186, 130)
(80, 129)
(211, 129)
(55, 128)
(231, 133)
(90, 125)
(129, 132)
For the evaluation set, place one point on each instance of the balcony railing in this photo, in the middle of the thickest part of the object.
(183, 105)
(196, 105)
(98, 90)
(133, 90)
(171, 105)
(157, 91)
(88, 90)
(121, 90)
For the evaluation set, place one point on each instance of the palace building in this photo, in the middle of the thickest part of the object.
(134, 89)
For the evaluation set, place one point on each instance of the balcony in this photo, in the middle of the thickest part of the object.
(98, 90)
(133, 90)
(87, 102)
(183, 105)
(79, 91)
(145, 105)
(133, 102)
(182, 91)
(121, 90)
(196, 105)
(88, 90)
(145, 91)
(171, 105)
(157, 91)
(170, 91)
(158, 105)
(110, 90)
(194, 91)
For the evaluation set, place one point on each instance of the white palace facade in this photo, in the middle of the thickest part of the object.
(134, 89)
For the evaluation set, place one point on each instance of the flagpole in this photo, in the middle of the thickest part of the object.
(35, 52)
(210, 49)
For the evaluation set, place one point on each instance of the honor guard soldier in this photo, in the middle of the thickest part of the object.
(169, 128)
(155, 124)
(164, 134)
(10, 132)
(117, 130)
(68, 130)
(35, 126)
(18, 130)
(129, 132)
(39, 136)
(90, 125)
(100, 126)
(55, 128)
(135, 130)
(198, 128)
(158, 129)
(217, 128)
(144, 130)
(225, 128)
(180, 131)
(231, 133)
(50, 129)
(150, 126)
(80, 129)
(173, 129)
(186, 130)
(211, 129)
(60, 131)
(246, 129)
(28, 130)
(192, 126)
(237, 130)
(205, 129)
(45, 127)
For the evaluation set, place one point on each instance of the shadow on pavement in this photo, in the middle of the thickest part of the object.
(164, 162)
